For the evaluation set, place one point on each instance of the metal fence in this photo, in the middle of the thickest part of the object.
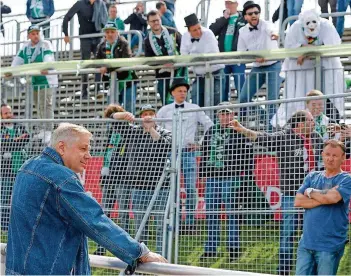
(212, 198)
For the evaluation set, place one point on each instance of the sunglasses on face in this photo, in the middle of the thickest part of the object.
(251, 13)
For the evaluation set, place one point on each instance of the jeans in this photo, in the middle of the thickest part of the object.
(135, 41)
(141, 200)
(238, 72)
(220, 190)
(341, 7)
(288, 228)
(188, 164)
(88, 46)
(312, 262)
(163, 85)
(258, 76)
(127, 96)
(294, 8)
(5, 203)
(217, 89)
(324, 8)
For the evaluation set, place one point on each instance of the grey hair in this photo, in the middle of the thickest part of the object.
(67, 132)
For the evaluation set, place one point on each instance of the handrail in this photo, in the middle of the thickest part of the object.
(155, 268)
(325, 15)
(44, 22)
(3, 23)
(23, 14)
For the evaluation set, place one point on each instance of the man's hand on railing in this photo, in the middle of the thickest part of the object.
(260, 60)
(274, 37)
(152, 257)
(8, 75)
(103, 70)
(44, 72)
(301, 59)
(66, 39)
(124, 116)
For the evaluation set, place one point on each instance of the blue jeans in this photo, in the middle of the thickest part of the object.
(135, 41)
(238, 72)
(258, 76)
(188, 164)
(294, 8)
(312, 262)
(163, 88)
(127, 96)
(288, 229)
(141, 200)
(217, 89)
(341, 7)
(218, 191)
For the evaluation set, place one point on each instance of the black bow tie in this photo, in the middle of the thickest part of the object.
(179, 105)
(195, 39)
(253, 28)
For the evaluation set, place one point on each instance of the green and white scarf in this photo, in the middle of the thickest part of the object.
(37, 50)
(169, 43)
(110, 48)
(217, 146)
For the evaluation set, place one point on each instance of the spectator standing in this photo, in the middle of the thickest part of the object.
(4, 10)
(227, 29)
(325, 196)
(298, 149)
(200, 40)
(179, 91)
(48, 186)
(137, 21)
(309, 31)
(92, 17)
(258, 34)
(14, 138)
(44, 86)
(294, 8)
(341, 7)
(162, 41)
(324, 8)
(116, 46)
(149, 147)
(166, 15)
(113, 16)
(40, 10)
(225, 154)
(171, 5)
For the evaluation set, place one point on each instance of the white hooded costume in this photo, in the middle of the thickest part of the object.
(300, 79)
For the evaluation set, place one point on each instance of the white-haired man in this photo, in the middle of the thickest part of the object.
(51, 214)
(309, 31)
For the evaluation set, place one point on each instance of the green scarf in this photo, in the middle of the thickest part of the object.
(112, 145)
(219, 136)
(319, 126)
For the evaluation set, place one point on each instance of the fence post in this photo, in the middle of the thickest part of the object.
(18, 36)
(3, 260)
(207, 93)
(113, 87)
(266, 13)
(71, 33)
(318, 73)
(29, 100)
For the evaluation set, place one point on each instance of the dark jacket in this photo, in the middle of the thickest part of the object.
(122, 50)
(275, 16)
(4, 10)
(147, 158)
(48, 6)
(150, 53)
(289, 148)
(237, 153)
(137, 22)
(84, 11)
(12, 152)
(219, 28)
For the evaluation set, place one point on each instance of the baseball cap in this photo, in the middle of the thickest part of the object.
(225, 109)
(33, 28)
(110, 25)
(147, 107)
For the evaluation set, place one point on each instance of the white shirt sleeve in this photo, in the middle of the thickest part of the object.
(184, 45)
(212, 42)
(203, 119)
(241, 43)
(18, 60)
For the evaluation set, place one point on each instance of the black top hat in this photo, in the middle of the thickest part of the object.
(249, 5)
(179, 82)
(191, 20)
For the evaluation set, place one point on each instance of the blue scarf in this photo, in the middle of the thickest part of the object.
(100, 15)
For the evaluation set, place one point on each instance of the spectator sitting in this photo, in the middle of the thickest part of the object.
(116, 46)
(14, 138)
(92, 17)
(4, 10)
(309, 31)
(225, 153)
(227, 29)
(162, 41)
(298, 148)
(36, 51)
(39, 11)
(170, 5)
(149, 146)
(112, 13)
(137, 21)
(325, 196)
(166, 15)
(200, 40)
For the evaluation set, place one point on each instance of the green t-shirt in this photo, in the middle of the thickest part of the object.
(119, 23)
(229, 36)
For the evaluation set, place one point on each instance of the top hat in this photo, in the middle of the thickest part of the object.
(179, 82)
(249, 5)
(191, 20)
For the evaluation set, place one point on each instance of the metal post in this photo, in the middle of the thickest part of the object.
(18, 36)
(203, 13)
(318, 73)
(113, 87)
(266, 13)
(29, 100)
(207, 93)
(281, 30)
(71, 33)
(3, 259)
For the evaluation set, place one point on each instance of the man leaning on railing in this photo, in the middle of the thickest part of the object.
(52, 215)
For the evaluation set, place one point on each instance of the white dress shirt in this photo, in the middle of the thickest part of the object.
(259, 39)
(189, 123)
(208, 44)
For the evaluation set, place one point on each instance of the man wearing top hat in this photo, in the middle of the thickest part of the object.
(256, 35)
(116, 46)
(179, 91)
(200, 40)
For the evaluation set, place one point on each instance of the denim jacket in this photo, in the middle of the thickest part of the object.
(48, 6)
(51, 215)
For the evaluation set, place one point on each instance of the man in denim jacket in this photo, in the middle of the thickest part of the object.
(51, 214)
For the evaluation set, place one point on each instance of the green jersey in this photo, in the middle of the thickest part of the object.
(229, 36)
